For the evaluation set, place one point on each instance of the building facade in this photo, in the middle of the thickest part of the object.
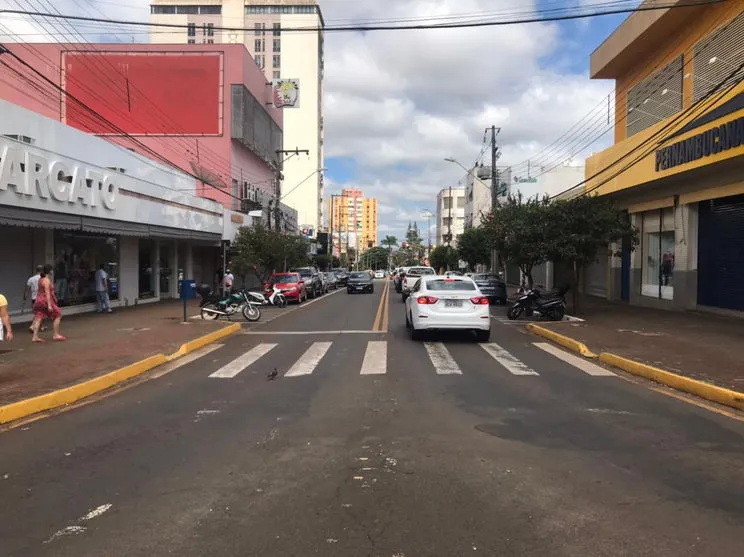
(76, 201)
(352, 222)
(678, 158)
(450, 215)
(202, 109)
(288, 55)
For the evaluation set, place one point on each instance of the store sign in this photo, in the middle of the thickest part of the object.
(519, 180)
(286, 93)
(710, 142)
(31, 174)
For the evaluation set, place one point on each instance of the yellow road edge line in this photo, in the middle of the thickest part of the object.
(713, 393)
(69, 395)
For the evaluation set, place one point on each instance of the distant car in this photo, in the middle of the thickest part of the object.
(379, 274)
(291, 285)
(438, 303)
(412, 275)
(313, 282)
(492, 286)
(360, 281)
(331, 281)
(342, 276)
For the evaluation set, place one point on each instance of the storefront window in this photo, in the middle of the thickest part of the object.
(146, 278)
(77, 257)
(658, 253)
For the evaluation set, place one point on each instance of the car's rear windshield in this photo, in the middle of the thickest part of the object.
(305, 272)
(287, 277)
(451, 284)
(485, 277)
(364, 275)
(420, 271)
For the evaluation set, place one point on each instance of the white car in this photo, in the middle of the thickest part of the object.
(379, 274)
(439, 303)
(411, 277)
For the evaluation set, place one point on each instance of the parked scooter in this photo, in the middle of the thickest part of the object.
(533, 303)
(237, 302)
(275, 297)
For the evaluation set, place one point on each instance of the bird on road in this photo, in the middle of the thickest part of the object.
(272, 374)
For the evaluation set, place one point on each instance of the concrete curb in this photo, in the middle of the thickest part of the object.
(63, 397)
(704, 390)
(563, 340)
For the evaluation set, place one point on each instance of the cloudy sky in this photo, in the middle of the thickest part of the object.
(398, 103)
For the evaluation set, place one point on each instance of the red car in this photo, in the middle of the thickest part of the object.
(291, 285)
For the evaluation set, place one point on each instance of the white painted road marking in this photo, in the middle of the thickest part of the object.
(581, 363)
(309, 360)
(241, 362)
(187, 359)
(512, 364)
(375, 358)
(441, 359)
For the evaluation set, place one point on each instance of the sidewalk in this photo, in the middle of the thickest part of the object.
(697, 345)
(97, 344)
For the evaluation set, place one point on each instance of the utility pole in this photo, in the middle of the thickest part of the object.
(494, 187)
(449, 219)
(279, 177)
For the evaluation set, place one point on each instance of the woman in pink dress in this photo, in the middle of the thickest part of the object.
(46, 306)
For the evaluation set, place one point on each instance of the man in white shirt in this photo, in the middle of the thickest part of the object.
(102, 298)
(32, 289)
(227, 282)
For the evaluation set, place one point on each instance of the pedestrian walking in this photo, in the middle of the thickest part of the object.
(103, 303)
(227, 283)
(32, 289)
(46, 306)
(6, 331)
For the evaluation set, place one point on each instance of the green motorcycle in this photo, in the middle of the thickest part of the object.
(237, 302)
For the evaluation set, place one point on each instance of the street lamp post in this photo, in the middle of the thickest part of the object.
(427, 215)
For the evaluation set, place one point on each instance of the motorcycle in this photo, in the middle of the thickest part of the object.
(237, 302)
(531, 302)
(276, 298)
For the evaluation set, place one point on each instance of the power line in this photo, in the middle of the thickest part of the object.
(383, 27)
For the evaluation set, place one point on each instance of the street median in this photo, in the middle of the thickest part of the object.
(563, 340)
(70, 395)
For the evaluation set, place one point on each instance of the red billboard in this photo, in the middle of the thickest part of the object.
(145, 93)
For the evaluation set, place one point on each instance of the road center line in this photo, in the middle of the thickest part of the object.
(377, 326)
(375, 358)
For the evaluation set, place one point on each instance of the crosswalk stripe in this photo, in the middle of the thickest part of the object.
(309, 360)
(441, 359)
(512, 364)
(375, 358)
(230, 370)
(582, 364)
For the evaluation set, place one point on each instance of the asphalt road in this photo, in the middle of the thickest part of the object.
(445, 450)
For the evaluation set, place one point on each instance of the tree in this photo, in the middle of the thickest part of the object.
(390, 242)
(262, 251)
(322, 261)
(520, 232)
(580, 227)
(444, 257)
(473, 248)
(401, 257)
(375, 258)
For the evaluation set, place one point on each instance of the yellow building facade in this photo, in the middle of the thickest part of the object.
(352, 221)
(677, 164)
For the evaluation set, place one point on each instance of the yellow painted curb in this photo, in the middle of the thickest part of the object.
(563, 340)
(68, 395)
(62, 397)
(201, 342)
(704, 390)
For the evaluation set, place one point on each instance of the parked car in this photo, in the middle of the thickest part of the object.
(492, 286)
(291, 285)
(360, 281)
(331, 281)
(342, 276)
(439, 303)
(313, 282)
(412, 276)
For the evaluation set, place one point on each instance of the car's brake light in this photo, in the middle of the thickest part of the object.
(426, 300)
(479, 300)
(449, 280)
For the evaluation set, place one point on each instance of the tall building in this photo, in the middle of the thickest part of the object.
(450, 215)
(352, 221)
(678, 159)
(286, 55)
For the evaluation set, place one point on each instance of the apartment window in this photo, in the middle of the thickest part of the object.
(277, 74)
(716, 58)
(208, 29)
(277, 45)
(192, 41)
(277, 29)
(162, 10)
(210, 41)
(447, 203)
(187, 10)
(260, 60)
(254, 10)
(210, 10)
(656, 98)
(277, 61)
(259, 45)
(191, 30)
(260, 29)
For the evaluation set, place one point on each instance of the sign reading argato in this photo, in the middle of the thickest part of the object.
(710, 142)
(31, 174)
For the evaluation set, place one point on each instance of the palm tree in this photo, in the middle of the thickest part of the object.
(390, 242)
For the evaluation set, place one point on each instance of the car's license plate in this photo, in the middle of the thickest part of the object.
(453, 303)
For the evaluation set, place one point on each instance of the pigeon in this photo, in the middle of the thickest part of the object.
(272, 374)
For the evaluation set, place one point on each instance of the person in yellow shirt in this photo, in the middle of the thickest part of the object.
(6, 331)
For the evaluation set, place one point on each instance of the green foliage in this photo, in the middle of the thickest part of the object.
(390, 242)
(444, 257)
(262, 251)
(374, 258)
(401, 258)
(473, 247)
(322, 261)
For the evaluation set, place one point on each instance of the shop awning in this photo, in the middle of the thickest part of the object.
(18, 216)
(182, 234)
(115, 227)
